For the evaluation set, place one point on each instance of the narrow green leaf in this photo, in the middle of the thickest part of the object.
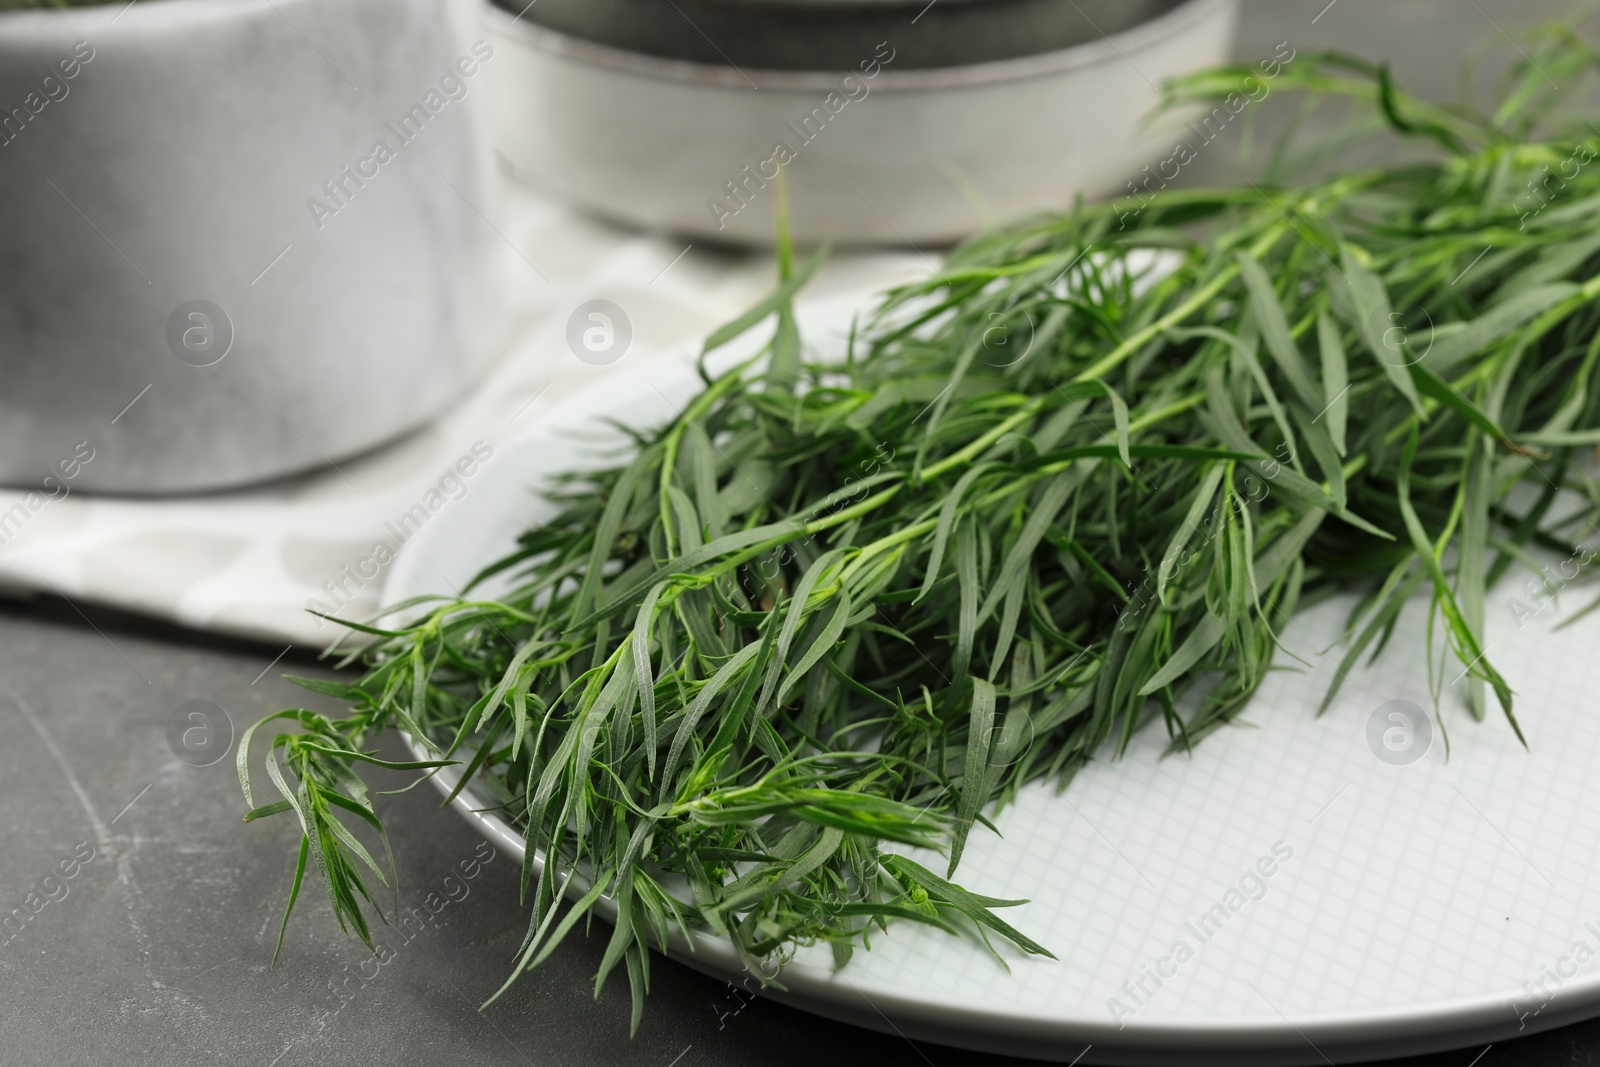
(975, 773)
(1275, 331)
(780, 297)
(1202, 639)
(1375, 318)
(1335, 381)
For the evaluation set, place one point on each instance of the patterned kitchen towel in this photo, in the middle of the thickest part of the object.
(251, 562)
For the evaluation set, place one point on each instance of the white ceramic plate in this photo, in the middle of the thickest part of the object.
(1410, 907)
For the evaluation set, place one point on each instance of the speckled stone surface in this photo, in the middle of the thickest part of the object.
(158, 949)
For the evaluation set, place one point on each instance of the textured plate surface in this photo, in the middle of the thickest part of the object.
(1408, 906)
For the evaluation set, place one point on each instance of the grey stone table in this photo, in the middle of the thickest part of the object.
(157, 948)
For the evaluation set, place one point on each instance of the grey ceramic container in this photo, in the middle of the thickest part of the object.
(881, 150)
(835, 34)
(212, 272)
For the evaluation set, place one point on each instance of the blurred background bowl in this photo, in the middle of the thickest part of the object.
(836, 34)
(179, 174)
(891, 123)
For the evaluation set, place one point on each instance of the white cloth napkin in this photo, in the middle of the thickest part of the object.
(250, 562)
